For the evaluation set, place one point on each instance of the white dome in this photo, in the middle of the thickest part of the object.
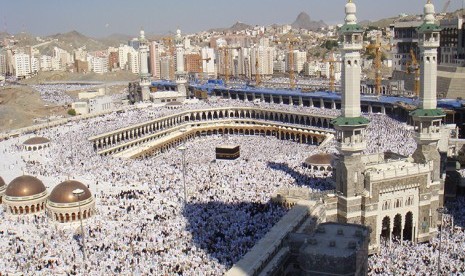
(142, 35)
(178, 32)
(351, 10)
(429, 12)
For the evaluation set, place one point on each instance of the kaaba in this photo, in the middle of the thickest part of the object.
(228, 152)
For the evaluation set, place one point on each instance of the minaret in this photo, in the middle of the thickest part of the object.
(427, 118)
(144, 68)
(350, 126)
(181, 75)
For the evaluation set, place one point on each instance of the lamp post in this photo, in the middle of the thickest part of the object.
(441, 211)
(78, 193)
(183, 150)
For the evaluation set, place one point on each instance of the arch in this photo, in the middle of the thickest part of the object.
(397, 229)
(408, 228)
(386, 228)
(73, 216)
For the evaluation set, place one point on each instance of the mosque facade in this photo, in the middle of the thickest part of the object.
(396, 196)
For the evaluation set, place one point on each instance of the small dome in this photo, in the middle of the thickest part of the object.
(351, 10)
(2, 182)
(320, 159)
(36, 141)
(63, 192)
(429, 12)
(25, 186)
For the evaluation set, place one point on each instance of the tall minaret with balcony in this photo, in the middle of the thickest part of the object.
(427, 118)
(144, 68)
(350, 126)
(181, 75)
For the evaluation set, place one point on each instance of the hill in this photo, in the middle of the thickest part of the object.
(237, 27)
(303, 21)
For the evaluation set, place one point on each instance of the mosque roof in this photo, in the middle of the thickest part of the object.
(427, 113)
(2, 182)
(63, 192)
(351, 28)
(24, 186)
(320, 159)
(428, 27)
(36, 141)
(345, 121)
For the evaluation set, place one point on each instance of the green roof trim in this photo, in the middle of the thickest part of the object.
(426, 28)
(427, 113)
(351, 28)
(345, 121)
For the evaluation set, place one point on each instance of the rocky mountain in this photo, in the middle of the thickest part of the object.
(303, 21)
(114, 40)
(238, 26)
(74, 39)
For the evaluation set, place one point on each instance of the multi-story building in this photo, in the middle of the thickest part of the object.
(299, 60)
(208, 61)
(100, 104)
(193, 63)
(123, 52)
(134, 43)
(3, 62)
(261, 58)
(22, 64)
(155, 60)
(313, 69)
(45, 63)
(405, 38)
(133, 61)
(279, 66)
(165, 67)
(244, 63)
(98, 65)
(80, 54)
(452, 50)
(64, 58)
(113, 60)
(451, 57)
(35, 65)
(81, 66)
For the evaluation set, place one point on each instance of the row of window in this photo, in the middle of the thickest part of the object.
(397, 203)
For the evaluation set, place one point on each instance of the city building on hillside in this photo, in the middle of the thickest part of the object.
(22, 65)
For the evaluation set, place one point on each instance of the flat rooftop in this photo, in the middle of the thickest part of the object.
(336, 240)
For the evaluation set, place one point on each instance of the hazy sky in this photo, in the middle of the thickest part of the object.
(105, 17)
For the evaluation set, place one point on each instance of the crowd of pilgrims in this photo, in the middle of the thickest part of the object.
(143, 226)
(407, 258)
(56, 93)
